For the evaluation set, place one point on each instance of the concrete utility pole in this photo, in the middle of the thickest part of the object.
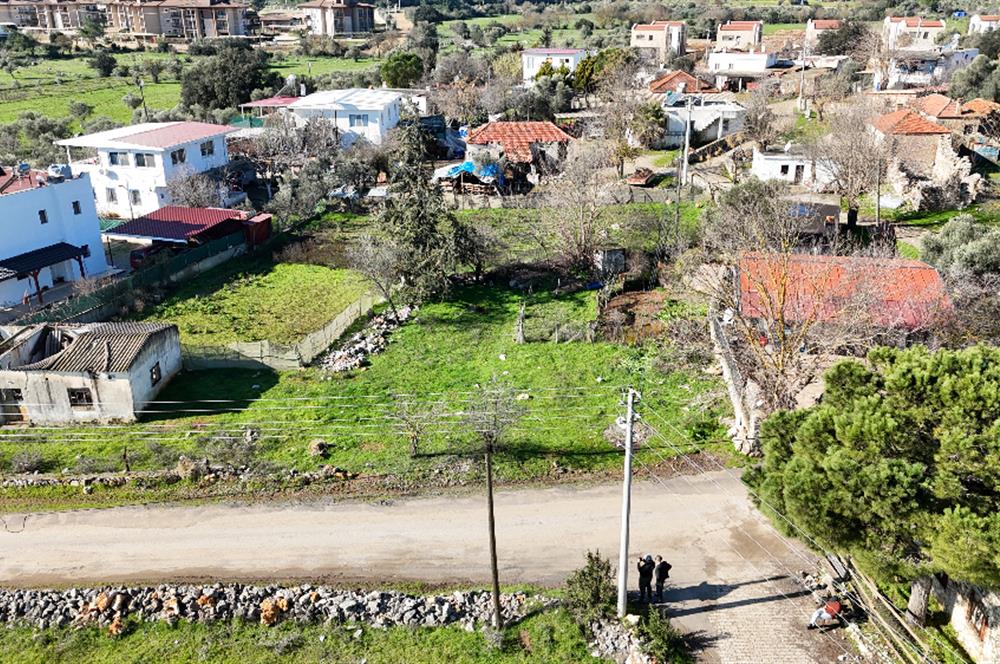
(626, 507)
(802, 80)
(687, 142)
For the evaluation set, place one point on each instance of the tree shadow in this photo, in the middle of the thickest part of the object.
(207, 392)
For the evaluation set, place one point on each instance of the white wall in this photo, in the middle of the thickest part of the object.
(21, 231)
(164, 349)
(150, 182)
(782, 166)
(377, 122)
(46, 399)
(721, 62)
(532, 62)
(977, 25)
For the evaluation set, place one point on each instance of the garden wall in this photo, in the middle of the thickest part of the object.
(279, 357)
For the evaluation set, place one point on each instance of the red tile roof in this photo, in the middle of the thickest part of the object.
(177, 223)
(516, 138)
(894, 292)
(270, 102)
(917, 22)
(553, 51)
(938, 106)
(12, 181)
(989, 18)
(826, 24)
(906, 122)
(670, 82)
(177, 134)
(657, 25)
(980, 106)
(740, 26)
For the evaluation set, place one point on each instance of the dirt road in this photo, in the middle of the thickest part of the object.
(729, 582)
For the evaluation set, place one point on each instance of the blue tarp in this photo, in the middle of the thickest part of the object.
(484, 172)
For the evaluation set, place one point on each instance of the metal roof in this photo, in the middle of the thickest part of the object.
(352, 99)
(176, 224)
(153, 136)
(102, 348)
(37, 259)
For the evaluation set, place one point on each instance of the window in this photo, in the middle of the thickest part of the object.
(76, 207)
(154, 374)
(80, 398)
(178, 156)
(359, 120)
(135, 196)
(144, 160)
(978, 616)
(111, 194)
(784, 169)
(43, 216)
(11, 395)
(207, 148)
(118, 158)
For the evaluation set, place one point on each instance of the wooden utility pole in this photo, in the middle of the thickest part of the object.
(626, 507)
(494, 568)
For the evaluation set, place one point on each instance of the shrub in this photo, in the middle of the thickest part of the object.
(590, 590)
(662, 640)
(27, 461)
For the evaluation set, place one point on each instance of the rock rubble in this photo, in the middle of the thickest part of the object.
(370, 341)
(108, 607)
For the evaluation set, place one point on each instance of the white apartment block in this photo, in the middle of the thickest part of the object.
(133, 165)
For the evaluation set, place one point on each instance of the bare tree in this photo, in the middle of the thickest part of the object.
(786, 310)
(576, 211)
(761, 124)
(414, 420)
(491, 413)
(198, 190)
(378, 261)
(854, 156)
(622, 109)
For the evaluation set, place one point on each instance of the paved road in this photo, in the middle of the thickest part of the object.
(730, 581)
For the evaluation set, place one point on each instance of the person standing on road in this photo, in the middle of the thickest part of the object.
(662, 570)
(646, 566)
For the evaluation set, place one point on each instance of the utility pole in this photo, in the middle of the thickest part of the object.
(802, 80)
(687, 140)
(626, 507)
(494, 568)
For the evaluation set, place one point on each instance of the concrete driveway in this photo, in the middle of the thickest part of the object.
(732, 584)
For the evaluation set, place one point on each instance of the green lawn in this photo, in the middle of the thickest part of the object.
(572, 393)
(319, 65)
(251, 299)
(771, 28)
(551, 637)
(907, 250)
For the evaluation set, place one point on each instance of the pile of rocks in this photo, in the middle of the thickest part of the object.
(370, 341)
(613, 640)
(109, 607)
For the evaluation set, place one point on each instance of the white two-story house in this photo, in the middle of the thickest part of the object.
(49, 232)
(982, 23)
(356, 112)
(532, 60)
(133, 165)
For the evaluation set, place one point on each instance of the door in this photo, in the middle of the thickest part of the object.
(800, 171)
(11, 408)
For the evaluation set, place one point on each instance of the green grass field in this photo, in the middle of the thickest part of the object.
(771, 28)
(252, 299)
(547, 638)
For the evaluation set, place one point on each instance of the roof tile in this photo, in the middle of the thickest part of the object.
(516, 138)
(907, 122)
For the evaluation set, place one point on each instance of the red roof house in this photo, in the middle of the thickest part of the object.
(680, 81)
(907, 122)
(891, 292)
(518, 141)
(181, 225)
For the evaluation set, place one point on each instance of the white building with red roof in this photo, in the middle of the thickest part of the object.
(660, 39)
(980, 23)
(532, 60)
(740, 35)
(49, 232)
(133, 165)
(817, 26)
(536, 146)
(911, 32)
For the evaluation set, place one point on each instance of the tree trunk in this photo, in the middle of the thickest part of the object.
(494, 570)
(852, 218)
(916, 608)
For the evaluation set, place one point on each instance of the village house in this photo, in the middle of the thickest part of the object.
(47, 16)
(736, 70)
(100, 372)
(712, 116)
(337, 18)
(911, 32)
(679, 82)
(660, 40)
(974, 614)
(149, 20)
(980, 23)
(49, 232)
(533, 148)
(355, 113)
(740, 35)
(280, 22)
(792, 165)
(917, 140)
(920, 68)
(134, 164)
(532, 60)
(817, 26)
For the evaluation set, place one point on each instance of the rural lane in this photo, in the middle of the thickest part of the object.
(731, 582)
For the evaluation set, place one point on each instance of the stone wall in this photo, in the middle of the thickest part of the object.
(957, 599)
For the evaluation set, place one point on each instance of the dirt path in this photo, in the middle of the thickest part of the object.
(730, 581)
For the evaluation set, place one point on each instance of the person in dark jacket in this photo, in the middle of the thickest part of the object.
(646, 566)
(662, 571)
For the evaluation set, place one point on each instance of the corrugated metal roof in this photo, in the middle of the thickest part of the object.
(37, 259)
(176, 223)
(102, 348)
